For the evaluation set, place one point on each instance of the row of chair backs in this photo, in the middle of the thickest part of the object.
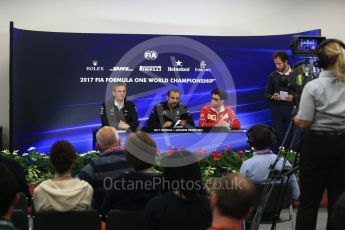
(118, 219)
(89, 219)
(72, 220)
(86, 220)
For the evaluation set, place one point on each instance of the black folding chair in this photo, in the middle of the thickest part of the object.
(120, 219)
(72, 220)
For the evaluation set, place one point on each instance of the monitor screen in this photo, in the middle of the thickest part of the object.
(306, 45)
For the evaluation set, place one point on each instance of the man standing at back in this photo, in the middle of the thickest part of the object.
(111, 163)
(278, 96)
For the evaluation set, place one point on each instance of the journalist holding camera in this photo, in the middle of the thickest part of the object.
(322, 114)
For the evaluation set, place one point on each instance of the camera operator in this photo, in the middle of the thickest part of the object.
(281, 103)
(322, 110)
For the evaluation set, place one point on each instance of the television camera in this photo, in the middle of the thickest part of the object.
(304, 46)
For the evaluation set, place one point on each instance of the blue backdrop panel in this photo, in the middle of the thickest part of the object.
(59, 81)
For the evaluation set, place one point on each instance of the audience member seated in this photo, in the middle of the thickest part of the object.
(19, 174)
(257, 168)
(132, 190)
(338, 213)
(185, 204)
(8, 197)
(232, 202)
(111, 163)
(63, 192)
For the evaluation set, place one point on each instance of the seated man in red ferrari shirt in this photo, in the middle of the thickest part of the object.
(217, 114)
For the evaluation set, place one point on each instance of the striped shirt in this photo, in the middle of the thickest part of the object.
(101, 170)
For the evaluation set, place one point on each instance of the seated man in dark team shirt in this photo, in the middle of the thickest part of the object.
(170, 114)
(118, 112)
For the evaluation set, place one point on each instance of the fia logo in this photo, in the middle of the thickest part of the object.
(151, 55)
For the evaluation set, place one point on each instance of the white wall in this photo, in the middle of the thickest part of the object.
(198, 17)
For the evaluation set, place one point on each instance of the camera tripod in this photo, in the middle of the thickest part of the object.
(277, 176)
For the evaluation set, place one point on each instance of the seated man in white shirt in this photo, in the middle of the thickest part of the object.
(257, 168)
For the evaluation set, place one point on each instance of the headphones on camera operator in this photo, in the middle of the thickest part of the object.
(298, 80)
(261, 136)
(323, 61)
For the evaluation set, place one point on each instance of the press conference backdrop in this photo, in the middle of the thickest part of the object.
(60, 79)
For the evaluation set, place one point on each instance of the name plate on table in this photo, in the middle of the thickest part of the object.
(194, 130)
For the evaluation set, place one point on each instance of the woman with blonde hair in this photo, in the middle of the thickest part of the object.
(322, 113)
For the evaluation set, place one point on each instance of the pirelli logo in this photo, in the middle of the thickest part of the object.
(150, 68)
